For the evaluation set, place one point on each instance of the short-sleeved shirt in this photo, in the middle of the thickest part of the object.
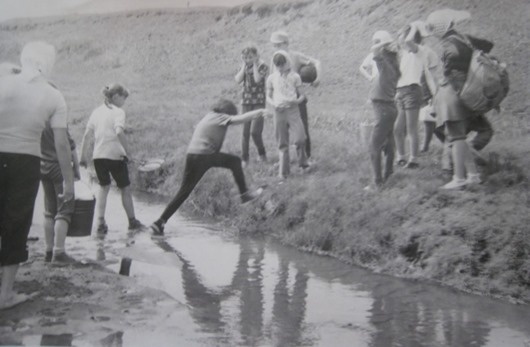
(412, 66)
(107, 121)
(254, 93)
(284, 87)
(384, 85)
(25, 107)
(209, 134)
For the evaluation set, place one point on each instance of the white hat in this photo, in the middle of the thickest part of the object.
(279, 37)
(440, 21)
(383, 37)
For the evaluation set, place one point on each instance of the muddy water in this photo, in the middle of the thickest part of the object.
(242, 291)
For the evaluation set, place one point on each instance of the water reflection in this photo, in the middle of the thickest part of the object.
(277, 296)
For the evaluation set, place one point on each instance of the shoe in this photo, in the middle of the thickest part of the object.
(63, 259)
(401, 162)
(135, 224)
(473, 179)
(249, 196)
(157, 228)
(102, 228)
(263, 158)
(412, 165)
(48, 257)
(456, 183)
(306, 168)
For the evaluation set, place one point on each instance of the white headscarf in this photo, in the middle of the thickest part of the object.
(37, 58)
(440, 21)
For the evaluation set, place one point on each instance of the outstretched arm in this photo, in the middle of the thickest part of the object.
(245, 117)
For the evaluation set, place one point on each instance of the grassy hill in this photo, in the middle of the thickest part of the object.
(177, 62)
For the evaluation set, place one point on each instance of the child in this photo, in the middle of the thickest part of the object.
(57, 211)
(382, 96)
(252, 75)
(413, 64)
(284, 95)
(204, 153)
(280, 41)
(107, 123)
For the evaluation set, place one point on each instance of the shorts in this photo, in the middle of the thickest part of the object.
(409, 97)
(55, 207)
(117, 168)
(19, 184)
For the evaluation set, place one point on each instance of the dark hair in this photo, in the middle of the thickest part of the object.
(417, 39)
(113, 89)
(249, 50)
(279, 59)
(225, 106)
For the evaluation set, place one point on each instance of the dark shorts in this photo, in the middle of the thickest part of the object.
(409, 97)
(55, 207)
(19, 183)
(117, 168)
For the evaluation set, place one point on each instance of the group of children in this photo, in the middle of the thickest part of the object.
(35, 144)
(407, 85)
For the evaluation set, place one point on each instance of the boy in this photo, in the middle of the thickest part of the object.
(382, 96)
(204, 153)
(252, 76)
(280, 41)
(284, 96)
(57, 212)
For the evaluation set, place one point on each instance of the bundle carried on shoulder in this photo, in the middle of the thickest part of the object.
(487, 82)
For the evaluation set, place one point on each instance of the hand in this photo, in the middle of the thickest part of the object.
(315, 83)
(77, 174)
(83, 163)
(125, 159)
(68, 192)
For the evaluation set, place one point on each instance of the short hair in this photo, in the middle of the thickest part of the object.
(38, 55)
(115, 88)
(249, 50)
(225, 106)
(279, 59)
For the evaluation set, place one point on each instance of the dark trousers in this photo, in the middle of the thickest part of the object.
(303, 114)
(382, 140)
(196, 167)
(254, 129)
(19, 183)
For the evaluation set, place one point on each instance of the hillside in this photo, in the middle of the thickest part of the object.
(176, 62)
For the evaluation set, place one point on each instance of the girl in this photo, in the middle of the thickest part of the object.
(107, 123)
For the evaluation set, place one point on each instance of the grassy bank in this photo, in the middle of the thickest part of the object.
(177, 62)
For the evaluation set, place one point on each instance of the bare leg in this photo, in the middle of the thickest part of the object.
(101, 202)
(49, 233)
(127, 201)
(61, 228)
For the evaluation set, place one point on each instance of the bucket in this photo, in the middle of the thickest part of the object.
(83, 216)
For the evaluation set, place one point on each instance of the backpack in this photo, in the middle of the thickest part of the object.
(487, 82)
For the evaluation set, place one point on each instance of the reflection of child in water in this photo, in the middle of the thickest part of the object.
(204, 154)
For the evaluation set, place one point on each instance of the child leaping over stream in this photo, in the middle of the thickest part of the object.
(204, 153)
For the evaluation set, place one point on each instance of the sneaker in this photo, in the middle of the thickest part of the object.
(249, 196)
(473, 179)
(412, 165)
(263, 158)
(135, 224)
(401, 162)
(102, 228)
(456, 183)
(305, 169)
(48, 257)
(157, 228)
(63, 259)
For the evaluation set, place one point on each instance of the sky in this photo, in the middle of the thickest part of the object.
(42, 8)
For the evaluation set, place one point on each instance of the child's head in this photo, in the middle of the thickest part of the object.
(225, 106)
(249, 54)
(281, 62)
(115, 94)
(405, 31)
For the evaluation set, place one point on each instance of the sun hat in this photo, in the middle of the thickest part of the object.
(279, 37)
(383, 37)
(440, 21)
